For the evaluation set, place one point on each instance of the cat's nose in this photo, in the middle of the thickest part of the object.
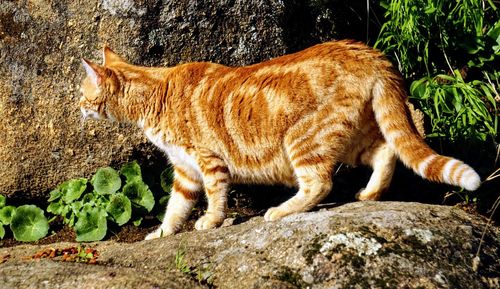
(89, 113)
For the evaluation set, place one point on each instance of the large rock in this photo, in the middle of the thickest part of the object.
(358, 245)
(43, 140)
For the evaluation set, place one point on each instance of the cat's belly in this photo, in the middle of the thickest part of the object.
(276, 172)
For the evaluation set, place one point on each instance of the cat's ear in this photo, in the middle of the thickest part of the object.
(94, 71)
(109, 56)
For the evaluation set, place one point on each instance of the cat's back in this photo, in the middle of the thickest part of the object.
(348, 54)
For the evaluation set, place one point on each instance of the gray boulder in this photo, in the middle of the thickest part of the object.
(357, 245)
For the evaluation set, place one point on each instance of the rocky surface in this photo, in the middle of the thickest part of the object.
(357, 245)
(41, 42)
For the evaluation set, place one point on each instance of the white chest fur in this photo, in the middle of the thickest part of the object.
(177, 155)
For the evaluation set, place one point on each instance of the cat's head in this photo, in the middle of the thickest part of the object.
(101, 87)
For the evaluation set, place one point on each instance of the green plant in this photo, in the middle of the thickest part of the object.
(27, 223)
(88, 206)
(202, 273)
(166, 179)
(457, 109)
(106, 181)
(85, 255)
(180, 263)
(450, 51)
(6, 214)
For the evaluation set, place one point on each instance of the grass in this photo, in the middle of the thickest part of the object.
(202, 273)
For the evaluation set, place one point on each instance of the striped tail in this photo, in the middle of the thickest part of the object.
(394, 120)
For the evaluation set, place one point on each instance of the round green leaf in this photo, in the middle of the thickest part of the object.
(29, 224)
(131, 171)
(91, 224)
(106, 181)
(140, 195)
(120, 208)
(3, 200)
(74, 189)
(2, 231)
(6, 214)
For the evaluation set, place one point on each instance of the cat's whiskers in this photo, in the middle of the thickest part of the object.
(82, 127)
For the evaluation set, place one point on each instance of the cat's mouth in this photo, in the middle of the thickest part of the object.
(87, 113)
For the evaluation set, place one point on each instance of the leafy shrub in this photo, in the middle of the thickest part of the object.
(450, 50)
(457, 109)
(88, 206)
(27, 223)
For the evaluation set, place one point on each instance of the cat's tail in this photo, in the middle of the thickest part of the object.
(396, 124)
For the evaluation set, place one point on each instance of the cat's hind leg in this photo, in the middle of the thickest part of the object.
(315, 184)
(312, 157)
(314, 145)
(216, 181)
(383, 161)
(185, 189)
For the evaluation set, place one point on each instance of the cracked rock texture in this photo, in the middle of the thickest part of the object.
(357, 245)
(43, 140)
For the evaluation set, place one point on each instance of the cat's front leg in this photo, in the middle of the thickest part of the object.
(216, 181)
(183, 196)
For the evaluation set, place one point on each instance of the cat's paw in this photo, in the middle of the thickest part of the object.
(365, 195)
(275, 213)
(158, 233)
(208, 221)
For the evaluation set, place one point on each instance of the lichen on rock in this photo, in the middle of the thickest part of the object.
(350, 240)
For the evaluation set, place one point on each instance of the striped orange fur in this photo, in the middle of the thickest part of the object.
(288, 121)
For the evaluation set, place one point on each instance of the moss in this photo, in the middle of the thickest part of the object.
(354, 260)
(385, 283)
(313, 248)
(287, 275)
(358, 281)
(368, 233)
(388, 281)
(414, 242)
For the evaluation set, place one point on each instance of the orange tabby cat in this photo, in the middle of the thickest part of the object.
(288, 121)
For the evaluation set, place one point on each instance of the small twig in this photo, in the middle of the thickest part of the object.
(498, 153)
(497, 96)
(367, 19)
(494, 175)
(444, 52)
(476, 260)
(399, 62)
(326, 205)
(338, 169)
